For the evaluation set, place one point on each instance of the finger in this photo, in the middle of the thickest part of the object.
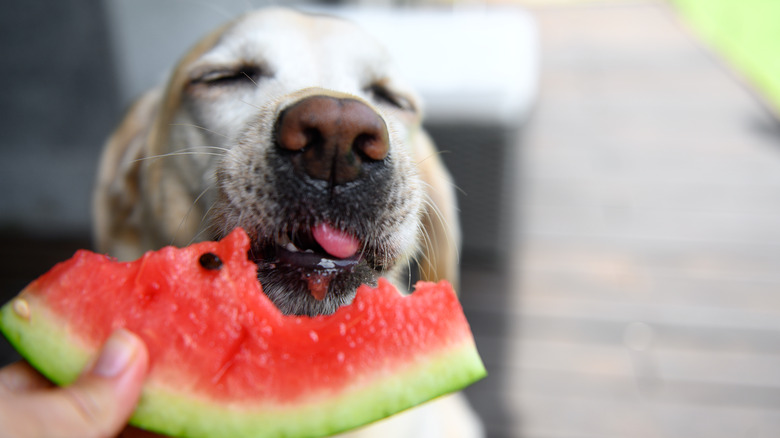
(99, 402)
(21, 377)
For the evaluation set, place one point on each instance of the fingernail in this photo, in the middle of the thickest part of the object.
(116, 354)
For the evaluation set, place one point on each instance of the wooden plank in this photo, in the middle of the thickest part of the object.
(680, 336)
(576, 417)
(665, 367)
(634, 257)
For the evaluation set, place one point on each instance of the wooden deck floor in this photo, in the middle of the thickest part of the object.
(643, 298)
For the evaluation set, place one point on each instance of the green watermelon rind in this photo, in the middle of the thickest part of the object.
(400, 391)
(62, 357)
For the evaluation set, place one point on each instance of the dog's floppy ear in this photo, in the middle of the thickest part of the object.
(117, 189)
(124, 203)
(441, 239)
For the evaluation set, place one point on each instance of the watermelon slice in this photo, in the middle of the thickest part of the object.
(225, 362)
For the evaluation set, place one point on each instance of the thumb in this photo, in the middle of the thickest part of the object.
(100, 401)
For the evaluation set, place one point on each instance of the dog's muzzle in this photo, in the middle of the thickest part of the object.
(330, 169)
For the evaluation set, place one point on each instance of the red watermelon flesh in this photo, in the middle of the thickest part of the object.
(225, 362)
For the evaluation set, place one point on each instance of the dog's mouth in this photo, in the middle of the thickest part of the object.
(319, 255)
(313, 270)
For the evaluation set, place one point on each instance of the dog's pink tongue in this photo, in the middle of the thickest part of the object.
(335, 242)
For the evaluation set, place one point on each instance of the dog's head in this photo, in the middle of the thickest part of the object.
(296, 128)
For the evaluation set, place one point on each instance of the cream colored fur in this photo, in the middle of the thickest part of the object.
(158, 180)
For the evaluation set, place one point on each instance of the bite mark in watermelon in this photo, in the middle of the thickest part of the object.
(225, 362)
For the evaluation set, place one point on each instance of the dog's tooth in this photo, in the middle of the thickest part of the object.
(292, 248)
(283, 240)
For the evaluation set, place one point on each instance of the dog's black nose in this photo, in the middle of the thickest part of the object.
(333, 137)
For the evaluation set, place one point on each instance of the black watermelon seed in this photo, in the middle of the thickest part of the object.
(210, 261)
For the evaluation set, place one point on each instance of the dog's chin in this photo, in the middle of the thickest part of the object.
(310, 282)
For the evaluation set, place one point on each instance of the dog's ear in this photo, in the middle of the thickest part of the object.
(124, 202)
(441, 226)
(117, 188)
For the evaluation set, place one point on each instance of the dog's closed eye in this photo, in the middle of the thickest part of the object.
(230, 76)
(382, 94)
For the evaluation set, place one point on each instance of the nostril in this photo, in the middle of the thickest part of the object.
(314, 138)
(372, 146)
(293, 136)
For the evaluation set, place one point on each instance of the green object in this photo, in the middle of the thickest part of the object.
(746, 32)
(225, 362)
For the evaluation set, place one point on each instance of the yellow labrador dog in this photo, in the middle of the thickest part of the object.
(297, 128)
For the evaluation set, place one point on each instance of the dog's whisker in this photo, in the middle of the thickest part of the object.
(202, 128)
(386, 259)
(409, 262)
(250, 78)
(435, 154)
(429, 248)
(206, 222)
(427, 254)
(198, 235)
(187, 215)
(439, 215)
(415, 261)
(177, 154)
(250, 103)
(429, 203)
(451, 185)
(221, 149)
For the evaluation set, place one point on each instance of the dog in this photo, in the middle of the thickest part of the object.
(297, 128)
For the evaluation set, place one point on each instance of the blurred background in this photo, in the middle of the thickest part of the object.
(618, 165)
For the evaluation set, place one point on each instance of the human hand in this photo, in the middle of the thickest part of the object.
(97, 404)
